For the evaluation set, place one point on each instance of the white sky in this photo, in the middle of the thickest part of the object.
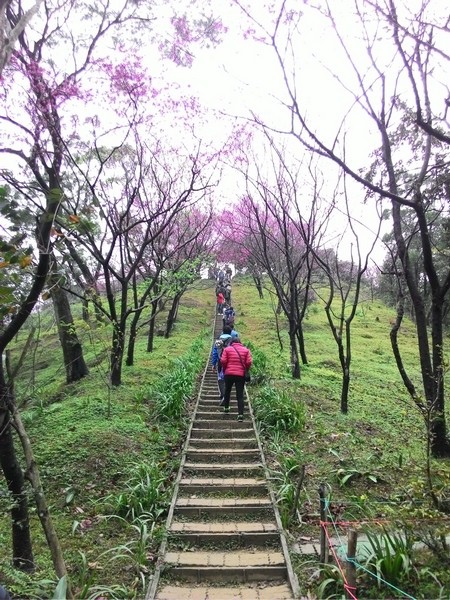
(238, 77)
(242, 76)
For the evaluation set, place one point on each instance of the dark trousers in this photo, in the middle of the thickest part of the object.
(221, 385)
(239, 382)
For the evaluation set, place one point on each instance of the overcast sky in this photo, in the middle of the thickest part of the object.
(239, 77)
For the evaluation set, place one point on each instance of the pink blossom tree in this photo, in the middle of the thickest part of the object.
(50, 79)
(129, 198)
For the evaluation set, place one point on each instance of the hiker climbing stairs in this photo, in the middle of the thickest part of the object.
(224, 539)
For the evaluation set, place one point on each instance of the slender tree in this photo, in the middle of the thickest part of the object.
(74, 362)
(390, 59)
(345, 280)
(136, 195)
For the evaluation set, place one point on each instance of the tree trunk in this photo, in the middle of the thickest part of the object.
(345, 366)
(117, 350)
(345, 390)
(396, 350)
(301, 344)
(440, 445)
(151, 328)
(277, 325)
(172, 316)
(295, 363)
(131, 343)
(301, 304)
(132, 338)
(72, 351)
(22, 549)
(258, 285)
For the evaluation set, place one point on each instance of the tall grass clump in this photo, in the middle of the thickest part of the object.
(259, 366)
(168, 395)
(144, 495)
(277, 411)
(389, 556)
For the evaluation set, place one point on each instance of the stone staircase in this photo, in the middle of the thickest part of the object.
(224, 539)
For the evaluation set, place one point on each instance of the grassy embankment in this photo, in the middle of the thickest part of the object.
(372, 460)
(107, 457)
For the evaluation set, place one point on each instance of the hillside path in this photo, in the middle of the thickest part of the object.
(224, 536)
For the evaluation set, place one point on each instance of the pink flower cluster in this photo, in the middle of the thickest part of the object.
(127, 78)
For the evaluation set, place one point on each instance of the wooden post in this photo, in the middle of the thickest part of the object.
(323, 519)
(351, 568)
(298, 490)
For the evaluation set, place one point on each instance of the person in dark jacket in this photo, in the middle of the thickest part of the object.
(235, 360)
(222, 341)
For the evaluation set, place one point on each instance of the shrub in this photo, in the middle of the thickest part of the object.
(276, 410)
(170, 392)
(388, 556)
(259, 366)
(144, 494)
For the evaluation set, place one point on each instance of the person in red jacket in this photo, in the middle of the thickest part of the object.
(235, 360)
(220, 303)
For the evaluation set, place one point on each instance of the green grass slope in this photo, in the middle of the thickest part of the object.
(108, 456)
(372, 461)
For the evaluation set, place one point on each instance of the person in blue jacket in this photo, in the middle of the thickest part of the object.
(222, 342)
(4, 594)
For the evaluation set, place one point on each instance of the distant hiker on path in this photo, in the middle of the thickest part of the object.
(220, 303)
(228, 317)
(235, 360)
(227, 292)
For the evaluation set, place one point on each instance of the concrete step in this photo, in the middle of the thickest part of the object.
(222, 455)
(226, 566)
(237, 533)
(223, 421)
(228, 443)
(219, 470)
(243, 592)
(224, 486)
(209, 402)
(213, 413)
(200, 432)
(220, 507)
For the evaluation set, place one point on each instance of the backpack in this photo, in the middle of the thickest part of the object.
(229, 317)
(219, 346)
